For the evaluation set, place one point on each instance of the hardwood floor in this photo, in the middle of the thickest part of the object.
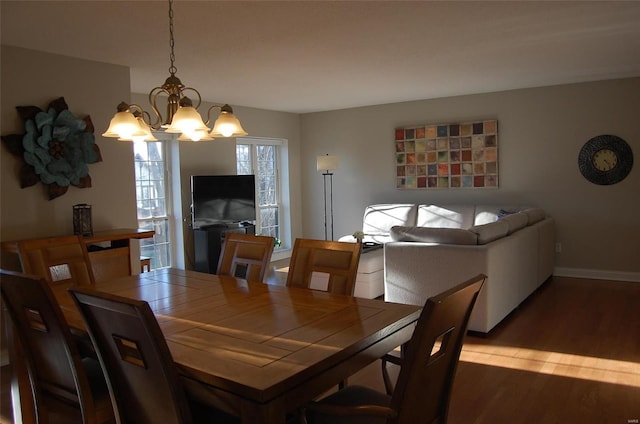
(569, 354)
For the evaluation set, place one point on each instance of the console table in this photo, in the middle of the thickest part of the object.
(109, 251)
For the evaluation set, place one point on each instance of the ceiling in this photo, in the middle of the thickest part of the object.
(307, 56)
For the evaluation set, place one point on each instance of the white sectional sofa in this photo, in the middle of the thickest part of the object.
(430, 248)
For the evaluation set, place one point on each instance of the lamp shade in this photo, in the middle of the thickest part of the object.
(124, 126)
(227, 125)
(327, 163)
(187, 121)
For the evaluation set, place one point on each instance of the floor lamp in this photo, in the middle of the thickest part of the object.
(328, 163)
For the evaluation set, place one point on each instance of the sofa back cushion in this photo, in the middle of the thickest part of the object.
(433, 235)
(446, 216)
(516, 221)
(534, 215)
(485, 214)
(492, 231)
(378, 219)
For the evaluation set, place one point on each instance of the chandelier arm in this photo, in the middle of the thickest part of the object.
(153, 96)
(197, 93)
(209, 113)
(138, 111)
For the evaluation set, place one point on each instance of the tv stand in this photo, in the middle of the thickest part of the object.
(208, 240)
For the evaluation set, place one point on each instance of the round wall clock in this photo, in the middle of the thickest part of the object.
(605, 159)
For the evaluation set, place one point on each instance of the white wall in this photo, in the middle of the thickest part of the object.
(541, 131)
(89, 88)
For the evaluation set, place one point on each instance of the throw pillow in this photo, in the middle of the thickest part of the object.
(433, 235)
(491, 231)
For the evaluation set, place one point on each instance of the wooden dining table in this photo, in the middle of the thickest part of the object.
(260, 351)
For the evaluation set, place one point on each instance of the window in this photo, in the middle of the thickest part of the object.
(264, 157)
(152, 201)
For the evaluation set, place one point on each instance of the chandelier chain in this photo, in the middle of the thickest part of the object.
(172, 56)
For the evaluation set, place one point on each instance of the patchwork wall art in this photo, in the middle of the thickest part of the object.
(439, 156)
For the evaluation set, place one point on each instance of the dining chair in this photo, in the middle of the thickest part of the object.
(428, 367)
(62, 384)
(245, 256)
(335, 261)
(62, 261)
(142, 378)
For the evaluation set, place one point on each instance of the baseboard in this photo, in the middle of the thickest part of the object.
(597, 274)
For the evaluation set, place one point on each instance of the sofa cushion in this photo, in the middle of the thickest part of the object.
(491, 231)
(534, 215)
(446, 216)
(433, 235)
(491, 213)
(378, 219)
(516, 221)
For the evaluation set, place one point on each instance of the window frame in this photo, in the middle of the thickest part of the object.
(282, 185)
(167, 218)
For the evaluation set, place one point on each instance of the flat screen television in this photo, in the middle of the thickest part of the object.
(222, 199)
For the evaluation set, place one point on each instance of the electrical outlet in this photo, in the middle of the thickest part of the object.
(558, 247)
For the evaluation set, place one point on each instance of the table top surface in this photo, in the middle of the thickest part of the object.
(255, 340)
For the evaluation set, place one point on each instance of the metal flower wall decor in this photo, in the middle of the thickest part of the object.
(55, 149)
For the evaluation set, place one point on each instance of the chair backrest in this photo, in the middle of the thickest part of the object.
(62, 261)
(143, 382)
(336, 260)
(51, 354)
(423, 388)
(245, 256)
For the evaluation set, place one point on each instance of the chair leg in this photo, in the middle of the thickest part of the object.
(388, 385)
(145, 264)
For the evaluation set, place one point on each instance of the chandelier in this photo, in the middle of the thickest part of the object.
(132, 123)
